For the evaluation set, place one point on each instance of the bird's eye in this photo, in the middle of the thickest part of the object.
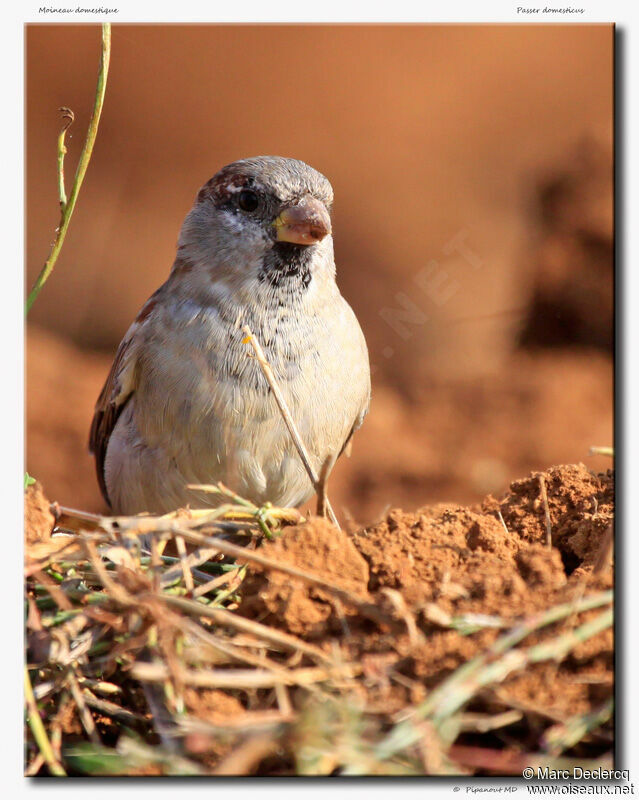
(248, 200)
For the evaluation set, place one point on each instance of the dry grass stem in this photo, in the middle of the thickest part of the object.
(544, 499)
(264, 632)
(38, 729)
(181, 548)
(240, 679)
(85, 716)
(252, 751)
(288, 419)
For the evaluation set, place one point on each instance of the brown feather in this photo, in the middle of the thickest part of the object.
(109, 406)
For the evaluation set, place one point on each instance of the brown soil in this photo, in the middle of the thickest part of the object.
(449, 560)
(38, 519)
(321, 549)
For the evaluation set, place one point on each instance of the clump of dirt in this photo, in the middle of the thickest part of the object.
(315, 547)
(444, 562)
(580, 507)
(38, 519)
(212, 705)
(444, 554)
(464, 558)
(68, 720)
(539, 566)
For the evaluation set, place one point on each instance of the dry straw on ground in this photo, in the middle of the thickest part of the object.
(438, 642)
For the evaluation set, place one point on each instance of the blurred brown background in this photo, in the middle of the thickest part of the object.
(472, 168)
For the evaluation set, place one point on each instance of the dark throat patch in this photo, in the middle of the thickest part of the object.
(288, 266)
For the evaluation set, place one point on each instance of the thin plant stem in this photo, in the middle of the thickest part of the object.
(561, 737)
(602, 451)
(38, 730)
(67, 206)
(288, 419)
(544, 499)
(68, 117)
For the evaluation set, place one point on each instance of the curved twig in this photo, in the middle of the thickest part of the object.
(68, 206)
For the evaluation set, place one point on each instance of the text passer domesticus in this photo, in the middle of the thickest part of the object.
(184, 404)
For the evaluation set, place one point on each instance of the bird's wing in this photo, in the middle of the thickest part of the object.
(116, 392)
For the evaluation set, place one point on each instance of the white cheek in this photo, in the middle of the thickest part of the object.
(233, 223)
(246, 234)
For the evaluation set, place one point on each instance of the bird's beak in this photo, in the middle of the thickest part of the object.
(308, 222)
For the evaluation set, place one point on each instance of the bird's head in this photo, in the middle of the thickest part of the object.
(264, 219)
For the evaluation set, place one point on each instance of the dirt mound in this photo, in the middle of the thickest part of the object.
(315, 547)
(449, 640)
(440, 568)
(38, 519)
(580, 508)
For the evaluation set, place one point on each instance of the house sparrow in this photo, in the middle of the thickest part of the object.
(184, 403)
